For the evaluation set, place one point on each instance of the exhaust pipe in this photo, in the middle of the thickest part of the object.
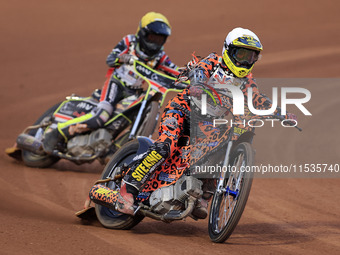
(30, 143)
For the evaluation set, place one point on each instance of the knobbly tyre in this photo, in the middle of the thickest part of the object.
(173, 192)
(134, 115)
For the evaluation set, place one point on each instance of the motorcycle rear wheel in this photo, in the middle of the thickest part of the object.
(34, 160)
(227, 206)
(107, 217)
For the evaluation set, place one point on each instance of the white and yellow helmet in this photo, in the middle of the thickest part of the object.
(241, 50)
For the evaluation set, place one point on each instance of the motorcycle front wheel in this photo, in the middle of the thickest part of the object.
(107, 217)
(34, 160)
(230, 200)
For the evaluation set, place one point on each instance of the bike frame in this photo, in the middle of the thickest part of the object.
(150, 76)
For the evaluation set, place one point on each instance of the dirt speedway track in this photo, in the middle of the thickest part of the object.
(50, 49)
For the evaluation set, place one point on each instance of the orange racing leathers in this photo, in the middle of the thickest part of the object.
(175, 122)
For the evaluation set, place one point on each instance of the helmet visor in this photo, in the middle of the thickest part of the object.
(156, 39)
(159, 28)
(245, 56)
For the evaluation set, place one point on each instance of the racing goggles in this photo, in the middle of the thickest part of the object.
(245, 56)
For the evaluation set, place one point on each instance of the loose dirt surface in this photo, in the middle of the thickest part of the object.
(51, 49)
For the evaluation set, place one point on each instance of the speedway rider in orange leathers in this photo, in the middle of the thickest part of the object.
(240, 52)
(146, 46)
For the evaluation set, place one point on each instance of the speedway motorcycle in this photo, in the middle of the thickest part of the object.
(175, 187)
(134, 115)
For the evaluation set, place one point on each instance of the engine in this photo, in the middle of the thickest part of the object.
(95, 143)
(173, 197)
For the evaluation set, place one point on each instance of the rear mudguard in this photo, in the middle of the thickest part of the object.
(144, 144)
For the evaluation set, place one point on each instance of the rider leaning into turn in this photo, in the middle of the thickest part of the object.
(145, 46)
(240, 52)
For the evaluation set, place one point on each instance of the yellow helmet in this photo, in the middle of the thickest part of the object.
(241, 50)
(152, 32)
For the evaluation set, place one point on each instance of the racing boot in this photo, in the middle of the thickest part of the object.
(121, 201)
(126, 199)
(51, 138)
(61, 133)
